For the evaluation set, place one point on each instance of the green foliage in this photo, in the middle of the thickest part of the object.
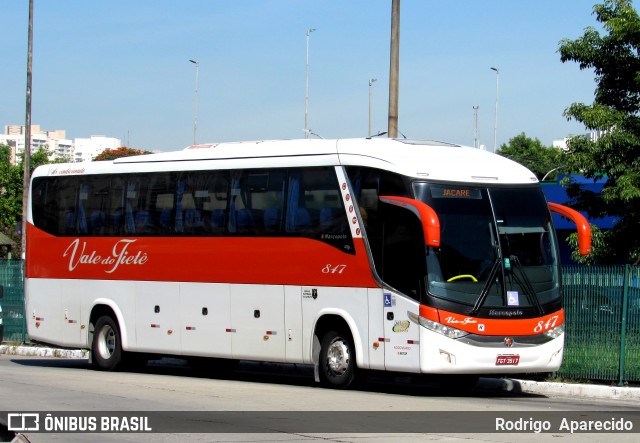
(615, 60)
(123, 151)
(10, 195)
(532, 154)
(11, 190)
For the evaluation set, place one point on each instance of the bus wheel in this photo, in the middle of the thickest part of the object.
(106, 348)
(337, 360)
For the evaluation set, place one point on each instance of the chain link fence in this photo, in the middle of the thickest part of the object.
(12, 302)
(602, 309)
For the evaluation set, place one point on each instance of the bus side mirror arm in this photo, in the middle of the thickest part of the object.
(584, 230)
(426, 214)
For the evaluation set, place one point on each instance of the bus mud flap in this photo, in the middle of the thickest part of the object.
(315, 357)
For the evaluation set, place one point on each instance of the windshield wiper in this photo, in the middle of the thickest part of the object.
(525, 284)
(485, 289)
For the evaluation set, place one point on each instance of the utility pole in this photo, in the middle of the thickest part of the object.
(394, 69)
(26, 176)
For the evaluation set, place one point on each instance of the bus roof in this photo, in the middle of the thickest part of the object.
(420, 159)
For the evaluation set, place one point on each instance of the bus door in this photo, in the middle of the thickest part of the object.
(401, 266)
(401, 336)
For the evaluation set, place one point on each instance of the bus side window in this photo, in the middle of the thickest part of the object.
(46, 211)
(315, 208)
(257, 202)
(368, 185)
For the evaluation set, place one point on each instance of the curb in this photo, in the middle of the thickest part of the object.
(31, 351)
(508, 385)
(569, 390)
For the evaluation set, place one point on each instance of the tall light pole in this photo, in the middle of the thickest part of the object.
(26, 176)
(306, 97)
(371, 80)
(394, 70)
(495, 122)
(475, 127)
(195, 106)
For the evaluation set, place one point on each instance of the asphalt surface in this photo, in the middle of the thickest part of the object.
(555, 389)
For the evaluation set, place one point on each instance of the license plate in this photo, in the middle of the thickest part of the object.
(507, 360)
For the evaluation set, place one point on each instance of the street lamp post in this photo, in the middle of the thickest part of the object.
(495, 123)
(476, 143)
(371, 80)
(195, 106)
(306, 97)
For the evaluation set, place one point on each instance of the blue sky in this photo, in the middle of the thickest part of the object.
(121, 68)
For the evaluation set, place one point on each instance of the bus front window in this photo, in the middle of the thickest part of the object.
(497, 248)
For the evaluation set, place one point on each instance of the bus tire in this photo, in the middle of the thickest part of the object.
(106, 349)
(337, 360)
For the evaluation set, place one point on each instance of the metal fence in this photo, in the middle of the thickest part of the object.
(12, 280)
(602, 309)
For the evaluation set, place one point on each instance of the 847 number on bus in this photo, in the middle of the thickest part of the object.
(331, 269)
(545, 326)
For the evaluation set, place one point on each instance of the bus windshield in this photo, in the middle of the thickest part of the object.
(497, 247)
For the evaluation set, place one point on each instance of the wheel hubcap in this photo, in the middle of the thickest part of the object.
(106, 342)
(338, 356)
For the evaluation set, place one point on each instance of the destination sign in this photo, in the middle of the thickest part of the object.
(455, 192)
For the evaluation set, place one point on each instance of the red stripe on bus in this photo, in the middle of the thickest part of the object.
(494, 326)
(251, 260)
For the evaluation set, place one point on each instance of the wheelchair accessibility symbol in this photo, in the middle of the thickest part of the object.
(387, 300)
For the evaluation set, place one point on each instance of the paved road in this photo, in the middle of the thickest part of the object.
(53, 384)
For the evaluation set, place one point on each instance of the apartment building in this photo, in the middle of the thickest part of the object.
(77, 150)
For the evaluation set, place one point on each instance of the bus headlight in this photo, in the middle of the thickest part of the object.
(447, 331)
(555, 332)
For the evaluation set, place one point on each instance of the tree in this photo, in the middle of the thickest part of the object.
(533, 154)
(11, 188)
(123, 151)
(615, 59)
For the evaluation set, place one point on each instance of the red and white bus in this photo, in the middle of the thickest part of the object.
(377, 254)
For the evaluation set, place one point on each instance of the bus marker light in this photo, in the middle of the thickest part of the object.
(154, 325)
(83, 326)
(449, 358)
(265, 337)
(191, 328)
(37, 324)
(169, 331)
